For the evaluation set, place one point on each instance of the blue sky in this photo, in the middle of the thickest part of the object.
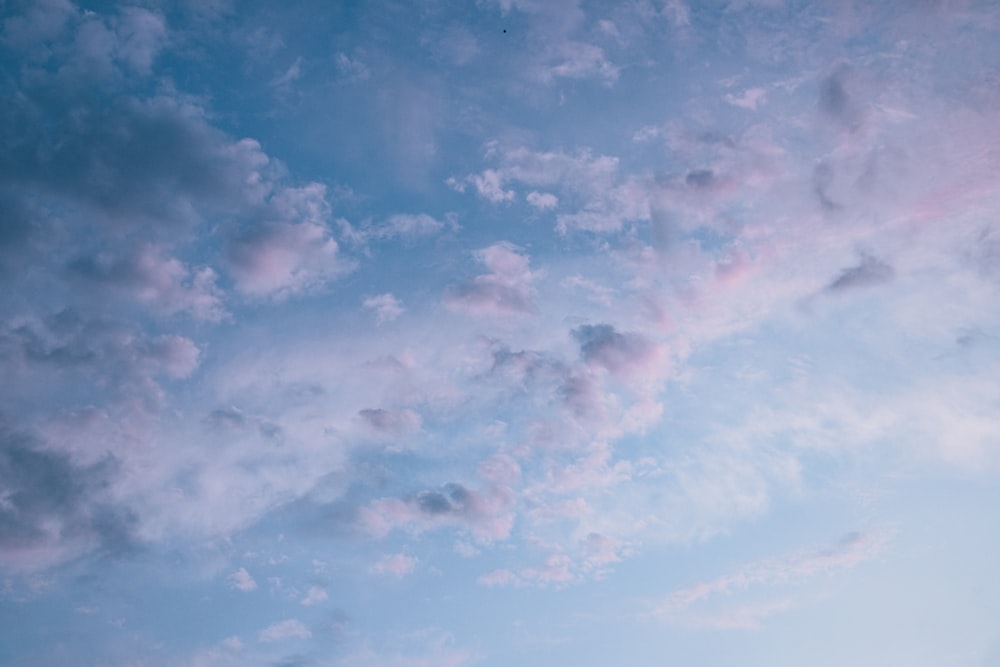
(500, 332)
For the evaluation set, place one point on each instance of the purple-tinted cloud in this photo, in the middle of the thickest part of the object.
(150, 277)
(869, 272)
(52, 509)
(508, 288)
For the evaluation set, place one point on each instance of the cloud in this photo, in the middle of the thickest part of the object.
(397, 565)
(101, 166)
(620, 354)
(390, 422)
(542, 200)
(507, 289)
(141, 35)
(351, 70)
(502, 577)
(148, 276)
(44, 21)
(487, 515)
(869, 272)
(314, 596)
(288, 629)
(291, 253)
(53, 510)
(114, 357)
(409, 226)
(386, 307)
(241, 580)
(794, 570)
(578, 60)
(588, 185)
(750, 99)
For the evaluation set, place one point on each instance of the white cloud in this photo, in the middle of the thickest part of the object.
(750, 99)
(386, 307)
(397, 565)
(315, 595)
(688, 605)
(288, 629)
(241, 580)
(542, 200)
(284, 258)
(507, 289)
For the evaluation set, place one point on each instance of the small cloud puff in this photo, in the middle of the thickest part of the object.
(241, 580)
(288, 629)
(386, 307)
(542, 200)
(314, 596)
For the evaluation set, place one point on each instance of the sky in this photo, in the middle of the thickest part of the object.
(499, 332)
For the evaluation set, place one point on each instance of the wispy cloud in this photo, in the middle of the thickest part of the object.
(687, 605)
(287, 629)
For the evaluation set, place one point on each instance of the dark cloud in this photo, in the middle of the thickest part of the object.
(453, 498)
(869, 272)
(390, 422)
(15, 223)
(87, 357)
(833, 97)
(700, 178)
(582, 394)
(601, 345)
(294, 661)
(234, 419)
(822, 177)
(836, 102)
(134, 162)
(52, 509)
(146, 274)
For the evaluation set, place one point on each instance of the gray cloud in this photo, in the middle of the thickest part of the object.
(88, 358)
(601, 345)
(836, 102)
(148, 275)
(390, 422)
(700, 178)
(453, 498)
(869, 272)
(51, 509)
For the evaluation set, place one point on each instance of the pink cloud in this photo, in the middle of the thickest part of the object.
(508, 288)
(241, 580)
(486, 515)
(397, 565)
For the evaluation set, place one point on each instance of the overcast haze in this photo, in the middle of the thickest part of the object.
(499, 332)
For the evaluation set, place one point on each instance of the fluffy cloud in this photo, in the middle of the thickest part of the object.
(314, 596)
(507, 289)
(148, 276)
(386, 307)
(241, 580)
